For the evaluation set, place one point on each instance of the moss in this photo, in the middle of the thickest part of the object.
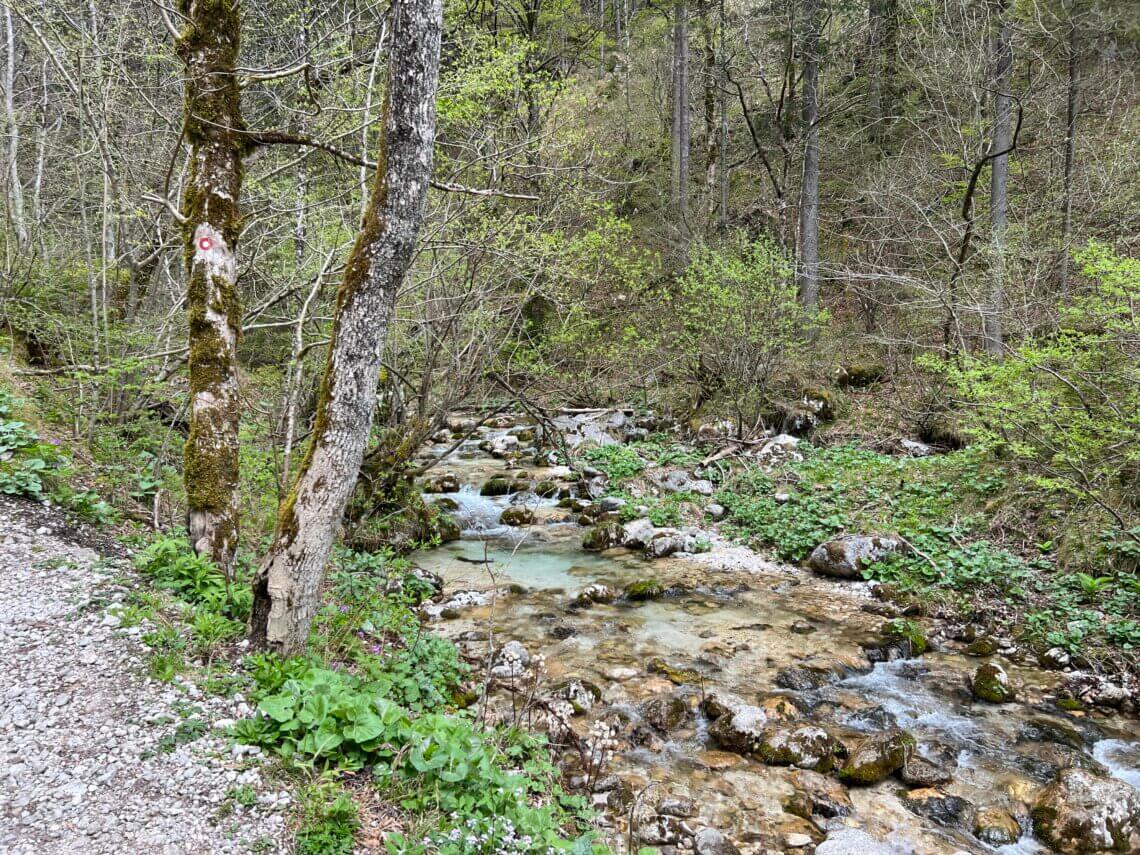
(909, 634)
(643, 589)
(497, 486)
(677, 676)
(603, 537)
(991, 684)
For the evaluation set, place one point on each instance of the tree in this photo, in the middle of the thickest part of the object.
(680, 135)
(286, 585)
(1001, 53)
(807, 276)
(208, 46)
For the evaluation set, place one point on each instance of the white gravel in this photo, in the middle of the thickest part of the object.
(82, 764)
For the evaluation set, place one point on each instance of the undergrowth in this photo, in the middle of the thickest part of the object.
(943, 508)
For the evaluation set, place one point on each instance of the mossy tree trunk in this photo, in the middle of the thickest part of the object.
(208, 46)
(286, 587)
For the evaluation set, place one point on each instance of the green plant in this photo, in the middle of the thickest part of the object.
(1091, 586)
(173, 566)
(617, 462)
(329, 820)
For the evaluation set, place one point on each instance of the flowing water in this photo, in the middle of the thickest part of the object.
(736, 622)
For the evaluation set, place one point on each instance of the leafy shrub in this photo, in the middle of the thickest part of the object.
(173, 566)
(440, 763)
(618, 462)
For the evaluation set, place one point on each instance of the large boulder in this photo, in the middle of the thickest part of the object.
(876, 757)
(444, 482)
(498, 486)
(637, 533)
(805, 746)
(1084, 813)
(817, 795)
(602, 537)
(992, 684)
(845, 557)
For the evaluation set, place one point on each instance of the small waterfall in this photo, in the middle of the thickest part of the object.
(477, 514)
(1122, 759)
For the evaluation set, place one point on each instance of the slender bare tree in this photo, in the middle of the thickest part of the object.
(1001, 55)
(808, 262)
(286, 585)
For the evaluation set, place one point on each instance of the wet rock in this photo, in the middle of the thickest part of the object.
(547, 489)
(802, 627)
(1095, 690)
(620, 798)
(574, 504)
(900, 639)
(602, 537)
(1042, 729)
(1084, 813)
(817, 795)
(996, 826)
(675, 675)
(990, 683)
(922, 773)
(595, 593)
(796, 840)
(447, 528)
(845, 557)
(780, 708)
(876, 757)
(517, 515)
(939, 807)
(740, 730)
(580, 694)
(717, 703)
(501, 446)
(562, 632)
(804, 678)
(666, 713)
(852, 841)
(679, 806)
(443, 503)
(804, 746)
(984, 646)
(497, 486)
(709, 841)
(643, 589)
(444, 482)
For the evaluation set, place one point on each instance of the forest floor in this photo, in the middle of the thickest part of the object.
(95, 756)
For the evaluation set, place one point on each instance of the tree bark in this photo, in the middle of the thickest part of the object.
(1002, 58)
(881, 47)
(15, 188)
(1073, 109)
(286, 587)
(712, 97)
(208, 47)
(680, 127)
(808, 267)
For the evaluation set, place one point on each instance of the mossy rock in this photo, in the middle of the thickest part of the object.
(547, 489)
(666, 713)
(991, 684)
(677, 676)
(858, 375)
(877, 757)
(908, 635)
(447, 528)
(643, 589)
(497, 486)
(603, 536)
(981, 647)
(445, 503)
(517, 515)
(520, 485)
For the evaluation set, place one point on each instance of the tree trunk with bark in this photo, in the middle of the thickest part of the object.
(808, 262)
(1002, 58)
(680, 126)
(882, 41)
(286, 587)
(1072, 111)
(15, 188)
(208, 46)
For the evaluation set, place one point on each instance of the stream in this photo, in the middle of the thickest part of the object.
(737, 621)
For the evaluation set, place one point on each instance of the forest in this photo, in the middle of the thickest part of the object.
(509, 426)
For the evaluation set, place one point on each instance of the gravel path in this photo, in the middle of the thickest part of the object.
(89, 759)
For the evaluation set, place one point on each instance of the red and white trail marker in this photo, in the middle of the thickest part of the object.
(205, 244)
